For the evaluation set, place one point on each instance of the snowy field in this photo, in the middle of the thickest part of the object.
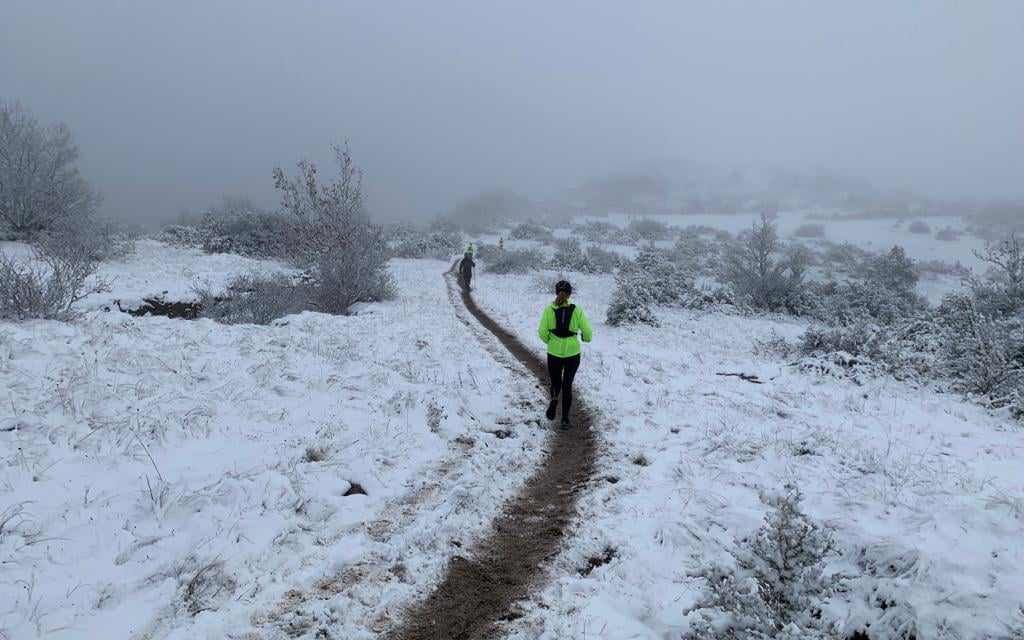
(172, 479)
(925, 490)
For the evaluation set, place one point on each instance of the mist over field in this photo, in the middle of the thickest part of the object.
(177, 104)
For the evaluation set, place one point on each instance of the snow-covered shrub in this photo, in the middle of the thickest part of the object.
(893, 270)
(47, 285)
(919, 226)
(947, 234)
(570, 256)
(631, 302)
(251, 233)
(1000, 292)
(945, 268)
(86, 239)
(983, 355)
(598, 260)
(440, 245)
(649, 280)
(848, 303)
(333, 234)
(762, 274)
(843, 258)
(256, 299)
(695, 253)
(648, 229)
(810, 230)
(516, 261)
(354, 274)
(181, 235)
(487, 253)
(778, 587)
(531, 231)
(599, 231)
(884, 290)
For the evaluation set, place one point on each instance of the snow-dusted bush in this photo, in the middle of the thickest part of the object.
(763, 274)
(649, 280)
(256, 299)
(47, 285)
(570, 256)
(948, 234)
(516, 261)
(183, 235)
(648, 229)
(356, 274)
(251, 233)
(487, 253)
(631, 302)
(334, 236)
(440, 245)
(531, 231)
(598, 260)
(810, 230)
(695, 253)
(1000, 292)
(843, 258)
(919, 226)
(778, 587)
(599, 231)
(984, 355)
(40, 185)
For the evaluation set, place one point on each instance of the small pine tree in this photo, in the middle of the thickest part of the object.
(779, 588)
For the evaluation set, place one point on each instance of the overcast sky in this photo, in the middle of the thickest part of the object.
(176, 103)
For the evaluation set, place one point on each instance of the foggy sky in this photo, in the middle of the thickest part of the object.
(177, 103)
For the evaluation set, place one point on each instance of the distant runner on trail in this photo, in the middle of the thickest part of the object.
(559, 325)
(466, 268)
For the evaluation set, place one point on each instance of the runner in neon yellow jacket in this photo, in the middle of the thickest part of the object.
(561, 327)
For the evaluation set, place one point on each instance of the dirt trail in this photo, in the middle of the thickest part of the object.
(480, 589)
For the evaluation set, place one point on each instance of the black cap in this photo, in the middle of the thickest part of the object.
(563, 285)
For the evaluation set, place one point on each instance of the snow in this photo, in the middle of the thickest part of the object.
(139, 453)
(898, 471)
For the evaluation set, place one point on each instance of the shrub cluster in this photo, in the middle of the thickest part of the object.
(648, 229)
(571, 256)
(439, 245)
(764, 274)
(531, 231)
(515, 261)
(600, 232)
(49, 283)
(650, 280)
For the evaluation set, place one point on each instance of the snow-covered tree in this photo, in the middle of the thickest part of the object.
(40, 185)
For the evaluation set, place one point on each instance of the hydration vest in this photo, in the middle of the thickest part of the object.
(563, 315)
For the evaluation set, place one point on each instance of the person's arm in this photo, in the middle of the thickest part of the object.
(586, 332)
(544, 328)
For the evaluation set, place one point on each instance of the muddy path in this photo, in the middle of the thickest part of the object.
(480, 589)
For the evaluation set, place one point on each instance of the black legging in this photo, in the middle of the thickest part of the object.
(562, 371)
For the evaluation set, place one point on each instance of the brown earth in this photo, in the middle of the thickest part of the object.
(480, 589)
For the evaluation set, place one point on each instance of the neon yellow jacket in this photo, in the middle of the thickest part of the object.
(564, 347)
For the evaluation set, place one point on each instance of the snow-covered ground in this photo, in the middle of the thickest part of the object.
(172, 479)
(926, 488)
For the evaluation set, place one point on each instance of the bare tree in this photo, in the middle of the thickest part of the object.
(39, 182)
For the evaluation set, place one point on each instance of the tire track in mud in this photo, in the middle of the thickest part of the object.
(479, 590)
